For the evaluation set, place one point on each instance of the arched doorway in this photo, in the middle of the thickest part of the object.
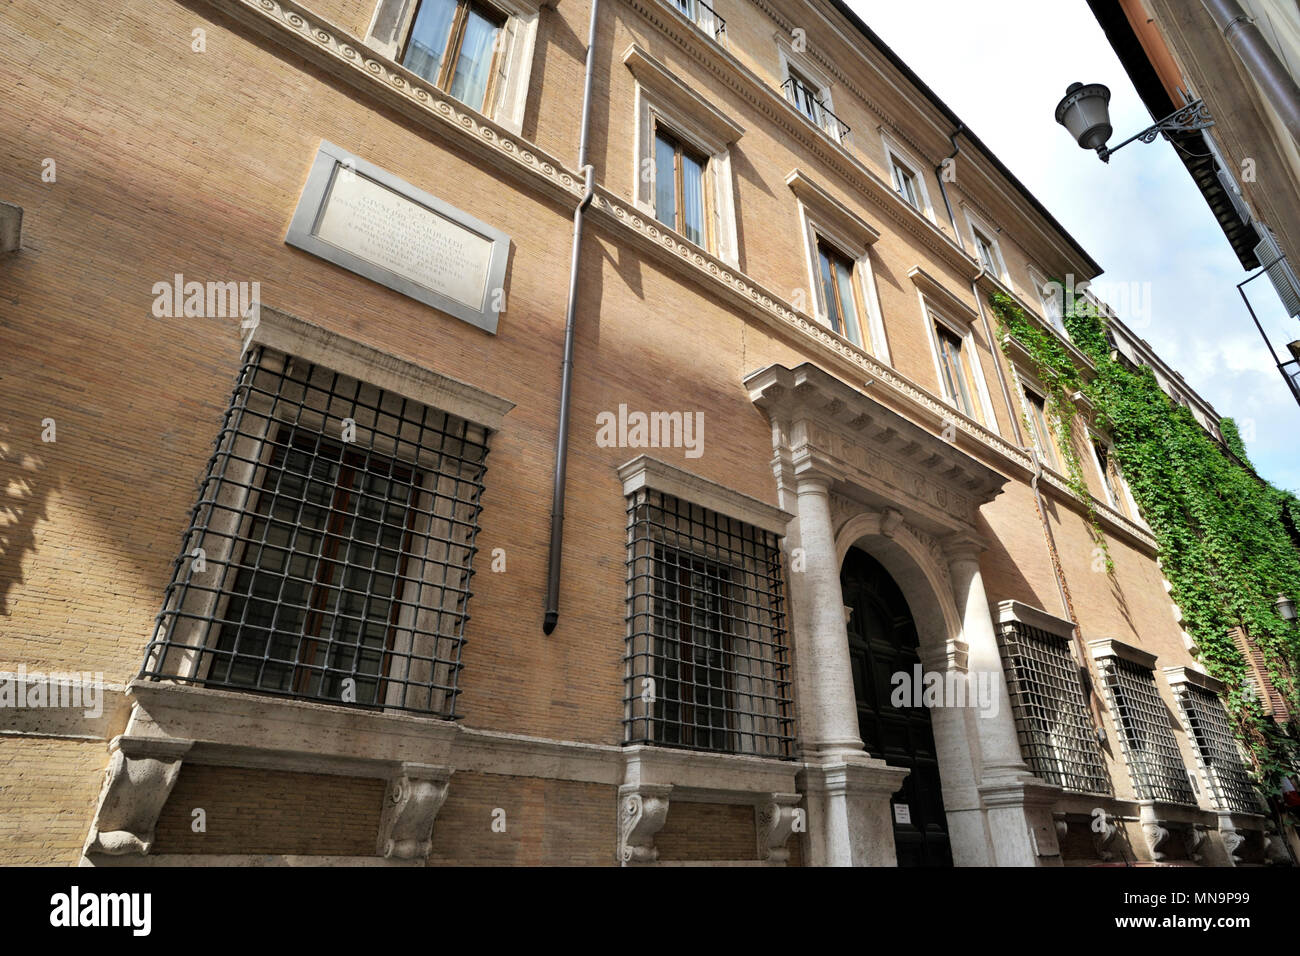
(882, 642)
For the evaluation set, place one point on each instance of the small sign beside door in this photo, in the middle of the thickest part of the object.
(902, 813)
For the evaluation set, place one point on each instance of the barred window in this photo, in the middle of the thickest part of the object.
(1149, 746)
(330, 552)
(1051, 710)
(707, 666)
(1216, 749)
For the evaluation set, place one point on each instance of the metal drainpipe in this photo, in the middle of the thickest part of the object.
(566, 367)
(938, 172)
(1095, 702)
(974, 287)
(1265, 68)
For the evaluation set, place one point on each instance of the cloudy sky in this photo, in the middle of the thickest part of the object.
(1002, 66)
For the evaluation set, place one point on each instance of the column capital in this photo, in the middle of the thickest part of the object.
(963, 546)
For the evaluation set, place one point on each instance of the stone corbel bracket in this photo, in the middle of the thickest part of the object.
(140, 777)
(1156, 836)
(775, 822)
(643, 811)
(415, 795)
(1233, 840)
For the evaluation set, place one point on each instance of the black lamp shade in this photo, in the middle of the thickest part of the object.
(1085, 112)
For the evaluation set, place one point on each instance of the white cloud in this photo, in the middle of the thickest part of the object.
(1002, 66)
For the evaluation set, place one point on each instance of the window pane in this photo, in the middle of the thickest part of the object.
(966, 379)
(828, 290)
(905, 183)
(429, 38)
(474, 65)
(692, 199)
(844, 277)
(955, 372)
(665, 181)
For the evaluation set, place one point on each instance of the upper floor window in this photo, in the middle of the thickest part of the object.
(707, 664)
(1117, 493)
(478, 52)
(330, 554)
(683, 158)
(1044, 439)
(987, 256)
(1051, 298)
(956, 371)
(838, 246)
(905, 185)
(905, 175)
(680, 187)
(811, 97)
(702, 15)
(836, 272)
(453, 44)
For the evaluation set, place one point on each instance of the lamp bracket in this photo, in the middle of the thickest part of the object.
(1194, 116)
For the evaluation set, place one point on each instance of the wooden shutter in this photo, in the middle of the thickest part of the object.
(1257, 675)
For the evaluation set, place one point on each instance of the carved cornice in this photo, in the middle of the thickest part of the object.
(842, 432)
(769, 101)
(332, 48)
(348, 58)
(947, 300)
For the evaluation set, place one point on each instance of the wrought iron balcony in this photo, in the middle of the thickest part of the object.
(703, 16)
(806, 101)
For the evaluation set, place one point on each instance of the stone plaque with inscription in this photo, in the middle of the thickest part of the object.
(366, 220)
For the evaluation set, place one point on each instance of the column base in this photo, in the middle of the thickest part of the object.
(849, 821)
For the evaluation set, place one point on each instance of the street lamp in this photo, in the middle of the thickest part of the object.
(1085, 113)
(1285, 608)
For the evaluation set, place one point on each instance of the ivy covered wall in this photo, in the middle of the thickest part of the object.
(1228, 540)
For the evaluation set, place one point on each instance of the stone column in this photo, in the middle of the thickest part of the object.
(1017, 806)
(829, 714)
(849, 822)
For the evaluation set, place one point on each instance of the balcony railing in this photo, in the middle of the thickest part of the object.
(703, 16)
(806, 101)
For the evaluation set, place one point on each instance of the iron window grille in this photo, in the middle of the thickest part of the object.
(1150, 749)
(1048, 700)
(1217, 750)
(707, 667)
(330, 553)
(703, 16)
(806, 100)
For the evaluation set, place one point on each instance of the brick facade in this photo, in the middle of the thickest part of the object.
(173, 161)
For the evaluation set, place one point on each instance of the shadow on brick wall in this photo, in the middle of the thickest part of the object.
(29, 475)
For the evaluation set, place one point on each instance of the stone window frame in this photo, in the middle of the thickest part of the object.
(510, 92)
(1104, 652)
(1028, 382)
(645, 474)
(895, 152)
(1015, 612)
(979, 226)
(1177, 677)
(1129, 508)
(1040, 281)
(664, 98)
(287, 336)
(805, 66)
(940, 310)
(823, 218)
